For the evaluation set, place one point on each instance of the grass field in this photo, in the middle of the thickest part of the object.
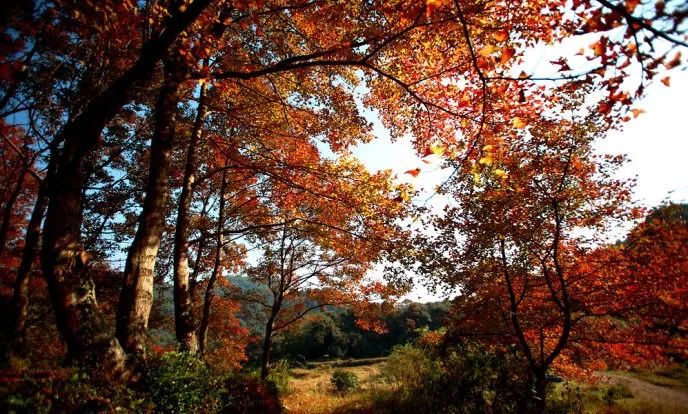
(310, 390)
(636, 392)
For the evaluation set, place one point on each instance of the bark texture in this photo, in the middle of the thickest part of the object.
(217, 269)
(63, 259)
(136, 298)
(185, 323)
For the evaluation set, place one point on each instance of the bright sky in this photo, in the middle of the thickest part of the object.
(656, 143)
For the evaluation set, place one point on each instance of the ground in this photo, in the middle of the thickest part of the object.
(615, 392)
(660, 391)
(310, 390)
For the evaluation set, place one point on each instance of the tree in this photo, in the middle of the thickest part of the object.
(528, 213)
(76, 78)
(320, 254)
(655, 262)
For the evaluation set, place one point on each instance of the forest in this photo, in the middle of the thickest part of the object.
(188, 223)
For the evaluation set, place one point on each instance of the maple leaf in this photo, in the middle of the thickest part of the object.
(437, 149)
(487, 51)
(519, 123)
(414, 172)
(500, 35)
(507, 54)
(636, 112)
(674, 62)
(562, 63)
(599, 48)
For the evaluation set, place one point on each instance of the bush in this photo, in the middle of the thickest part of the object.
(344, 381)
(616, 392)
(65, 391)
(250, 395)
(279, 375)
(567, 399)
(410, 368)
(182, 383)
(466, 379)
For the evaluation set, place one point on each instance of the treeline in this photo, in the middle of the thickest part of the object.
(335, 334)
(330, 333)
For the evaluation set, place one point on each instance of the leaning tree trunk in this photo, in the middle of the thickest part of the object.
(9, 208)
(217, 268)
(64, 262)
(20, 295)
(269, 330)
(267, 345)
(136, 298)
(185, 324)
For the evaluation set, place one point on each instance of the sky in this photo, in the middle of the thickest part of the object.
(656, 143)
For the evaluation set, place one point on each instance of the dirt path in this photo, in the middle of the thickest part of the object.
(674, 397)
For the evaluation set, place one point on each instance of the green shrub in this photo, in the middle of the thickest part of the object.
(409, 367)
(567, 399)
(279, 375)
(182, 383)
(465, 379)
(66, 391)
(344, 381)
(616, 392)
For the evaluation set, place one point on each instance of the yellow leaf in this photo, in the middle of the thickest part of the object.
(487, 160)
(437, 149)
(487, 51)
(519, 123)
(499, 173)
(487, 147)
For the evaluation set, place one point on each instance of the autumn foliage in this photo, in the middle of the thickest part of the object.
(152, 150)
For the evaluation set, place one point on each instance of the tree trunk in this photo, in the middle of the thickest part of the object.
(9, 207)
(65, 263)
(267, 344)
(540, 391)
(136, 298)
(20, 296)
(63, 259)
(217, 268)
(185, 324)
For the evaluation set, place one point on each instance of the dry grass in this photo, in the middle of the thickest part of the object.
(310, 391)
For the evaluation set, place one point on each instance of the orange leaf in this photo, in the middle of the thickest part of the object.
(666, 80)
(674, 62)
(500, 35)
(637, 112)
(507, 54)
(413, 172)
(599, 47)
